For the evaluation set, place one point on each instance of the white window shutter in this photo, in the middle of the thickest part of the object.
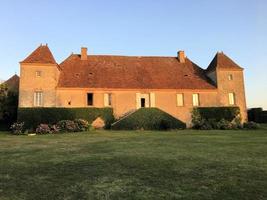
(105, 99)
(138, 101)
(195, 100)
(152, 100)
(180, 99)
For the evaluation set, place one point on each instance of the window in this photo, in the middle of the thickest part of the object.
(38, 73)
(90, 99)
(231, 98)
(107, 99)
(195, 99)
(38, 98)
(230, 77)
(180, 99)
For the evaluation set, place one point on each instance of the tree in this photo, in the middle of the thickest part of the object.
(8, 105)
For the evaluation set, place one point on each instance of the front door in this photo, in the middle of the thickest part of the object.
(143, 102)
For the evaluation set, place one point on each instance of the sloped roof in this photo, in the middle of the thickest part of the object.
(129, 72)
(40, 55)
(13, 82)
(222, 61)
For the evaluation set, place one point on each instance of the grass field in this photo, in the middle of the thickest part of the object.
(135, 165)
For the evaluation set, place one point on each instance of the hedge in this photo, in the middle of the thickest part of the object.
(32, 117)
(148, 119)
(218, 113)
(257, 115)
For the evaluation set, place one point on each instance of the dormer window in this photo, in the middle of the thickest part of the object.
(230, 77)
(38, 73)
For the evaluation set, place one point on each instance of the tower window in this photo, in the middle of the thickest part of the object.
(230, 77)
(90, 99)
(38, 99)
(231, 98)
(38, 73)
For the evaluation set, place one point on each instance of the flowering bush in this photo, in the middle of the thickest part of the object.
(224, 125)
(251, 125)
(17, 128)
(43, 129)
(54, 128)
(82, 124)
(67, 125)
(73, 126)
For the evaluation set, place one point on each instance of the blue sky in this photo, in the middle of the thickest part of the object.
(141, 27)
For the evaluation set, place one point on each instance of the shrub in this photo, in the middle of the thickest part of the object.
(148, 119)
(43, 129)
(68, 126)
(54, 128)
(17, 128)
(207, 118)
(82, 124)
(46, 128)
(218, 113)
(251, 125)
(35, 116)
(224, 125)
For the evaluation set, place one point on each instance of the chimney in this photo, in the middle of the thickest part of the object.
(181, 56)
(83, 53)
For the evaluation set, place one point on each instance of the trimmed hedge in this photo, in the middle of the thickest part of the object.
(148, 119)
(32, 117)
(218, 113)
(224, 118)
(257, 115)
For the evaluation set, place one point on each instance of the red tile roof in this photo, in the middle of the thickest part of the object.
(13, 82)
(41, 55)
(222, 61)
(125, 72)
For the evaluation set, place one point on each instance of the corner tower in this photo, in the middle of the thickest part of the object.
(229, 79)
(39, 75)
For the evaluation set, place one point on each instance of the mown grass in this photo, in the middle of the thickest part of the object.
(135, 165)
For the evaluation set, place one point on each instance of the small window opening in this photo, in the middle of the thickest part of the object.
(38, 73)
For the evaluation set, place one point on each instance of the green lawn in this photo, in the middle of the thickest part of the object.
(135, 165)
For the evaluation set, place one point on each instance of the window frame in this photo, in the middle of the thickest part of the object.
(230, 77)
(38, 73)
(231, 98)
(38, 99)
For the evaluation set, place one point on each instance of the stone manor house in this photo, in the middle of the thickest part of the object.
(126, 83)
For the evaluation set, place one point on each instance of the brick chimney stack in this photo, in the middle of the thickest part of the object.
(181, 56)
(83, 53)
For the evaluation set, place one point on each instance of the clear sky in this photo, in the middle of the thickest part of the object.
(141, 27)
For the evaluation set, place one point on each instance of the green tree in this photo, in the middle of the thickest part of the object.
(8, 105)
